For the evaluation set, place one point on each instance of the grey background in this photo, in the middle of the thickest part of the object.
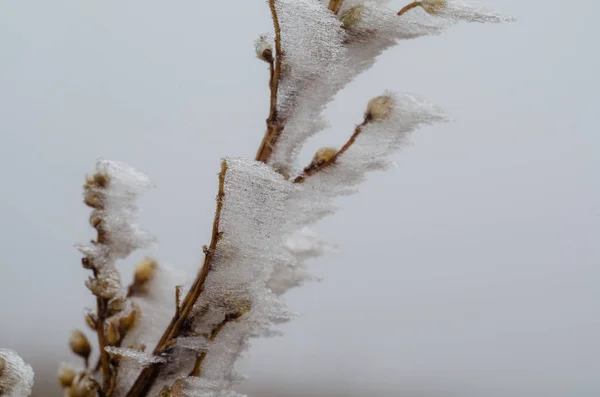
(470, 270)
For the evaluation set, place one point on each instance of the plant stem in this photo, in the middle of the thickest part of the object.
(149, 374)
(409, 7)
(308, 171)
(274, 128)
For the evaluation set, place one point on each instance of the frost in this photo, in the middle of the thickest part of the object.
(372, 151)
(16, 377)
(141, 358)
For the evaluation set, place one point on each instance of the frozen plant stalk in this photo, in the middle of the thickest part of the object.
(160, 336)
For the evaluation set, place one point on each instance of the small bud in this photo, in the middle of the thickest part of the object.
(112, 333)
(104, 288)
(127, 322)
(116, 305)
(91, 320)
(322, 156)
(433, 6)
(93, 199)
(144, 271)
(98, 180)
(351, 16)
(96, 219)
(79, 344)
(82, 386)
(263, 48)
(379, 108)
(66, 375)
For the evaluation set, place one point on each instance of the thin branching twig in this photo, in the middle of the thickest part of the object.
(149, 374)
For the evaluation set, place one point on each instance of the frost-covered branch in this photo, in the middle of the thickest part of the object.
(260, 240)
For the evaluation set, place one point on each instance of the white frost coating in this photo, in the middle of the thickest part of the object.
(372, 151)
(119, 216)
(324, 56)
(141, 358)
(120, 207)
(156, 309)
(252, 222)
(458, 10)
(200, 387)
(302, 245)
(16, 377)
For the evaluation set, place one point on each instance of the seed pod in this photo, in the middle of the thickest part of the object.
(80, 345)
(66, 375)
(379, 108)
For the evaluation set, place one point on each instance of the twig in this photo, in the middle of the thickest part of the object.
(408, 7)
(274, 128)
(313, 169)
(213, 335)
(149, 374)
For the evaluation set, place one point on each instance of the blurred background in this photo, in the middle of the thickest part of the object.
(470, 270)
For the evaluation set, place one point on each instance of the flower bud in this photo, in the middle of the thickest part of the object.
(144, 271)
(263, 48)
(66, 375)
(79, 344)
(351, 16)
(112, 333)
(379, 108)
(322, 156)
(91, 320)
(433, 6)
(127, 322)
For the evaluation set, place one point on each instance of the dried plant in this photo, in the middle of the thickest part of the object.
(155, 338)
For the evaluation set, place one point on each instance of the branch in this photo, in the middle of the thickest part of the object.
(408, 7)
(274, 128)
(149, 374)
(317, 166)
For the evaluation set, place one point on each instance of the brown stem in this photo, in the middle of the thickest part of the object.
(102, 305)
(273, 125)
(408, 7)
(311, 170)
(213, 335)
(335, 5)
(149, 374)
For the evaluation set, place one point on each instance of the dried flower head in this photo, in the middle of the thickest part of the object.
(433, 6)
(66, 375)
(379, 108)
(264, 50)
(79, 344)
